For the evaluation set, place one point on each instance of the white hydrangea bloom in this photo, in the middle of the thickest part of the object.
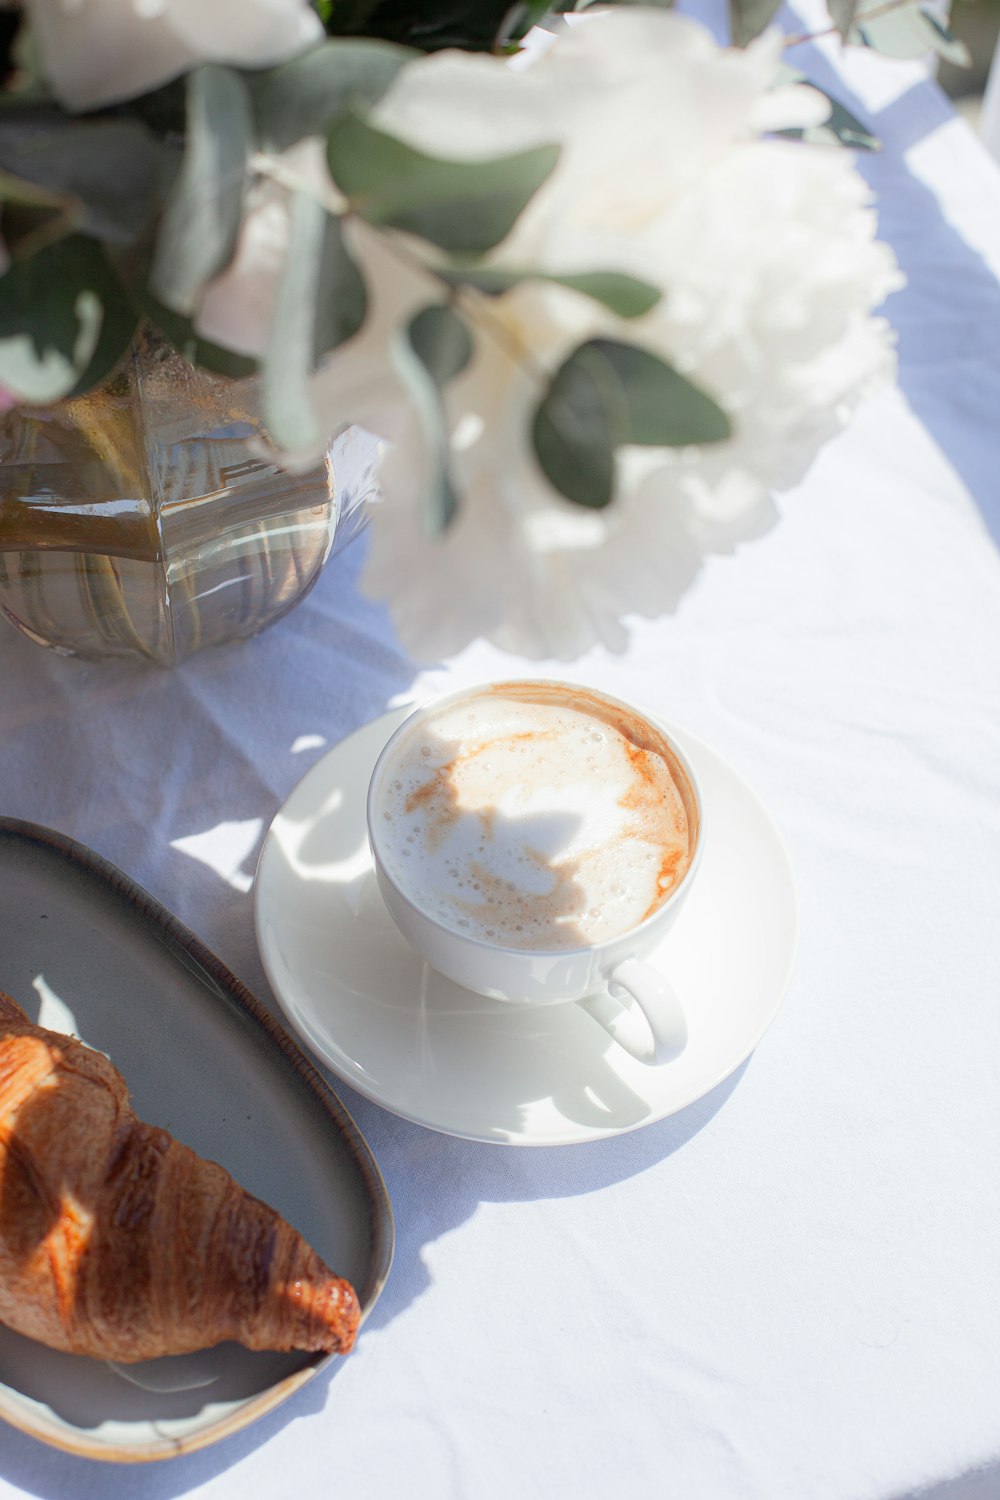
(97, 52)
(766, 251)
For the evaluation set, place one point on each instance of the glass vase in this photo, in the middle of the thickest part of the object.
(145, 519)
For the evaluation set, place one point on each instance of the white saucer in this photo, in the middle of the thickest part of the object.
(428, 1050)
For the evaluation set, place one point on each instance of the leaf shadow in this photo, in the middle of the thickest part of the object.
(947, 315)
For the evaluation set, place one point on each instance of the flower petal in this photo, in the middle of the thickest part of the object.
(97, 52)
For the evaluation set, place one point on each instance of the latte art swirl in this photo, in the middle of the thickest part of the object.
(536, 817)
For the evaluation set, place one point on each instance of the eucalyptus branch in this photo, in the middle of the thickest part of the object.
(475, 304)
(834, 30)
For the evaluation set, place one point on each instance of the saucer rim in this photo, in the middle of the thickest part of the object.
(347, 1071)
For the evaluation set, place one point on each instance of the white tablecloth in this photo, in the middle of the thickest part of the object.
(790, 1291)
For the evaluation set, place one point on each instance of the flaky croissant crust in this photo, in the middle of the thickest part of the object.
(119, 1242)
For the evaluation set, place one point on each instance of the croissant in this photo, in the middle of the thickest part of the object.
(118, 1242)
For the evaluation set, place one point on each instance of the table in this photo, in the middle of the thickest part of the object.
(789, 1291)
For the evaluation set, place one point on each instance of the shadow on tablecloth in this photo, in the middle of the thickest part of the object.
(947, 316)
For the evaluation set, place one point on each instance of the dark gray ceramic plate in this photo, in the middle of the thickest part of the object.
(84, 949)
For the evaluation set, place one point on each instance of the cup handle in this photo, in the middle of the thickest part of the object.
(648, 1021)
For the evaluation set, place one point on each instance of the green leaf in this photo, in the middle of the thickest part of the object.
(303, 97)
(164, 109)
(103, 175)
(464, 207)
(625, 296)
(748, 18)
(517, 22)
(944, 41)
(118, 329)
(65, 321)
(434, 348)
(842, 13)
(341, 297)
(441, 342)
(839, 128)
(570, 6)
(202, 216)
(472, 25)
(321, 303)
(908, 31)
(574, 437)
(181, 332)
(606, 395)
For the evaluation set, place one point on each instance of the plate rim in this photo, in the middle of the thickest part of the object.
(522, 1141)
(179, 939)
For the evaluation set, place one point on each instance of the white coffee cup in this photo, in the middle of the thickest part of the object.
(629, 997)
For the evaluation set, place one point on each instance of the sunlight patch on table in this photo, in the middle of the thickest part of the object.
(225, 849)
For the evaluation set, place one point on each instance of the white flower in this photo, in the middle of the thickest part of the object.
(97, 52)
(766, 253)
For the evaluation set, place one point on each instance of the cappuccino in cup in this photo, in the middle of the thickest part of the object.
(534, 816)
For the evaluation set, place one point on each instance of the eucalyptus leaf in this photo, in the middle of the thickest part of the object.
(464, 207)
(441, 342)
(118, 328)
(944, 41)
(607, 395)
(433, 348)
(104, 175)
(579, 5)
(303, 97)
(909, 31)
(574, 434)
(163, 109)
(65, 321)
(203, 210)
(518, 21)
(842, 14)
(840, 128)
(289, 360)
(181, 332)
(341, 297)
(321, 303)
(625, 296)
(472, 25)
(748, 18)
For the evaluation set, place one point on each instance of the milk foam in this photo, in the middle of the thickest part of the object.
(546, 822)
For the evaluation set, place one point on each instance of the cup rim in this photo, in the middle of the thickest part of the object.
(443, 700)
